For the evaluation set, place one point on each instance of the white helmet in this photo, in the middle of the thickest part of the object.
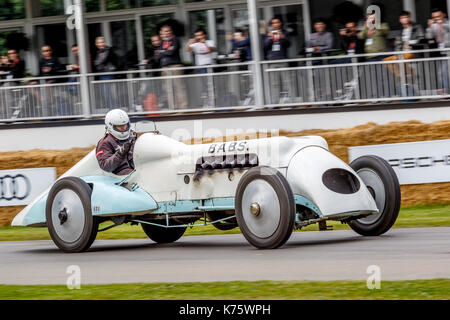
(114, 118)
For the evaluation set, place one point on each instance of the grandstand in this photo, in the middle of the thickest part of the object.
(322, 82)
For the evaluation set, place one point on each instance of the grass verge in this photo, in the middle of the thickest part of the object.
(409, 217)
(437, 289)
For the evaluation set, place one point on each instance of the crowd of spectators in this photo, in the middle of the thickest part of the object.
(355, 37)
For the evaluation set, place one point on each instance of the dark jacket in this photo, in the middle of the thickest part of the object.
(106, 60)
(244, 49)
(352, 43)
(277, 50)
(109, 158)
(57, 68)
(169, 52)
(15, 69)
(154, 60)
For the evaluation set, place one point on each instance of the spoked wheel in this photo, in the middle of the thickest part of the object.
(162, 234)
(265, 207)
(69, 216)
(382, 183)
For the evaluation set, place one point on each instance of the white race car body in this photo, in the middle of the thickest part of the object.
(171, 177)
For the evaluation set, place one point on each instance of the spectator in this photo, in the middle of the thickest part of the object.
(412, 34)
(49, 65)
(106, 61)
(13, 65)
(202, 48)
(375, 38)
(55, 101)
(240, 45)
(276, 42)
(149, 99)
(169, 49)
(75, 67)
(154, 61)
(439, 31)
(4, 65)
(375, 35)
(169, 53)
(350, 42)
(321, 40)
(13, 68)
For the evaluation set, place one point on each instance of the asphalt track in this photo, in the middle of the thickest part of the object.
(402, 254)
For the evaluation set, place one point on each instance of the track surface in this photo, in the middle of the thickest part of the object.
(402, 254)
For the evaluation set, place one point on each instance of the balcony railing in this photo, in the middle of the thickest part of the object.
(305, 82)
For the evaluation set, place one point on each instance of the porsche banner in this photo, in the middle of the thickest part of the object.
(22, 186)
(413, 162)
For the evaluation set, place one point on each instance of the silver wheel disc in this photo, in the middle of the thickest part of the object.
(260, 194)
(374, 183)
(68, 203)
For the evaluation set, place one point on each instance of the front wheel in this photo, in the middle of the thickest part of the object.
(381, 181)
(69, 216)
(265, 207)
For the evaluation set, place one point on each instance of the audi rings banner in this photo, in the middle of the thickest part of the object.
(21, 186)
(413, 162)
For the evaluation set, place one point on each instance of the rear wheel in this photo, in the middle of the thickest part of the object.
(382, 183)
(69, 216)
(265, 207)
(162, 234)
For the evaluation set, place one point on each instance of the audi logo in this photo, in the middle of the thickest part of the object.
(14, 187)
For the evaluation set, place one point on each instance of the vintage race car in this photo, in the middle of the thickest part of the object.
(267, 187)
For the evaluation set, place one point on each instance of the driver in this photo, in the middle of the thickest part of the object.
(115, 150)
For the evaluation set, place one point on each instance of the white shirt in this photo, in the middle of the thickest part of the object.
(202, 55)
(406, 34)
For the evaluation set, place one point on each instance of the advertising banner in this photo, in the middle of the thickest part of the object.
(22, 186)
(413, 162)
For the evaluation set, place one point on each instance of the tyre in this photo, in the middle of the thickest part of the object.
(162, 234)
(69, 216)
(265, 207)
(382, 182)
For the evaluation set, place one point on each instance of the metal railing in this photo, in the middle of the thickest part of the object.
(40, 98)
(365, 78)
(168, 90)
(330, 80)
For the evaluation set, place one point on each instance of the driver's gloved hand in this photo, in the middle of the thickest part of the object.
(124, 149)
